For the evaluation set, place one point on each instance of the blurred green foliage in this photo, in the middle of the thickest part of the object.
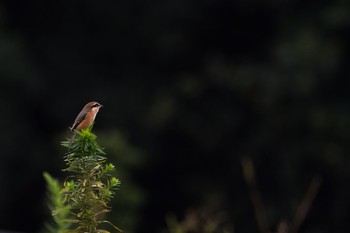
(60, 212)
(189, 88)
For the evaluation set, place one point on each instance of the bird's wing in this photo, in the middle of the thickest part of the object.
(78, 120)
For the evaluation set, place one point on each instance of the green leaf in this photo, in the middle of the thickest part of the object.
(114, 182)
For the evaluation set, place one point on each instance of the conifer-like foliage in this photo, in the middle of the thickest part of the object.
(60, 211)
(90, 184)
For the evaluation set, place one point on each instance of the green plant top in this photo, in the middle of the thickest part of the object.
(90, 185)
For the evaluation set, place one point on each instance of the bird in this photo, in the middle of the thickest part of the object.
(85, 118)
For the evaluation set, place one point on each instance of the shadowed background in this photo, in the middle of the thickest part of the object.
(189, 88)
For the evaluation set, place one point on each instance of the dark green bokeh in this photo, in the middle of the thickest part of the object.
(189, 88)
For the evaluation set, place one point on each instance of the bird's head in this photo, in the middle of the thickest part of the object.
(93, 106)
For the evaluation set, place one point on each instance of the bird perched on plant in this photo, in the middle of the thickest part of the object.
(86, 117)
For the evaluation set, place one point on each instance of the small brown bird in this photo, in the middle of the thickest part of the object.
(85, 118)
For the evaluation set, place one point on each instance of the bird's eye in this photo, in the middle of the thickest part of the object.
(95, 105)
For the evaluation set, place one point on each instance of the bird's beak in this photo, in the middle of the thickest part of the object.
(101, 106)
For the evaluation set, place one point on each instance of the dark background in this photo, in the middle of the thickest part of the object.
(189, 88)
